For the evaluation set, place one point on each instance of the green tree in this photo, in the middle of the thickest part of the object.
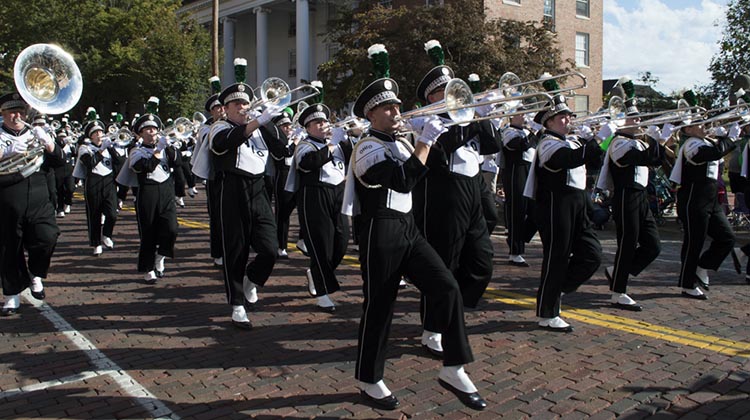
(472, 44)
(733, 57)
(127, 51)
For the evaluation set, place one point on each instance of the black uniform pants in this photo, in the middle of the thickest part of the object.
(572, 252)
(637, 236)
(246, 220)
(326, 233)
(519, 210)
(122, 190)
(283, 206)
(390, 248)
(27, 221)
(453, 223)
(65, 186)
(101, 199)
(701, 215)
(213, 201)
(157, 223)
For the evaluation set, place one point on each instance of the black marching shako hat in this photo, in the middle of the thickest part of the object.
(559, 106)
(284, 118)
(628, 88)
(380, 92)
(213, 100)
(314, 112)
(149, 119)
(92, 126)
(11, 101)
(434, 79)
(239, 91)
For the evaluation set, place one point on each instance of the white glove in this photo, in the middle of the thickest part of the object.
(606, 131)
(433, 128)
(585, 132)
(106, 143)
(667, 131)
(653, 132)
(41, 134)
(271, 111)
(484, 110)
(15, 148)
(297, 134)
(161, 144)
(718, 131)
(338, 135)
(533, 125)
(415, 124)
(734, 131)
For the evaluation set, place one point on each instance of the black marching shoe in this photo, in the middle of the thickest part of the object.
(634, 307)
(470, 399)
(386, 403)
(697, 297)
(9, 311)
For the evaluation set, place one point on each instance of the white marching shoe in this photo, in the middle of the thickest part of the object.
(219, 262)
(60, 214)
(193, 191)
(239, 318)
(67, 209)
(250, 289)
(159, 265)
(282, 254)
(107, 241)
(12, 303)
(555, 324)
(432, 342)
(623, 301)
(310, 283)
(302, 247)
(695, 293)
(180, 202)
(326, 303)
(37, 288)
(150, 277)
(97, 250)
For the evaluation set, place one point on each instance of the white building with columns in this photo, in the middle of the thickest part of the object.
(279, 38)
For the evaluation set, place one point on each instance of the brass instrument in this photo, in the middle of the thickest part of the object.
(458, 103)
(49, 80)
(276, 91)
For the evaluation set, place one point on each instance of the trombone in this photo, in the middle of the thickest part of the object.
(526, 102)
(510, 84)
(276, 91)
(739, 111)
(458, 103)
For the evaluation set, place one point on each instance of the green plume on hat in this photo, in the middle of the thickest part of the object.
(690, 97)
(91, 114)
(627, 86)
(549, 84)
(435, 51)
(288, 111)
(152, 105)
(215, 83)
(240, 70)
(473, 82)
(318, 99)
(378, 56)
(118, 117)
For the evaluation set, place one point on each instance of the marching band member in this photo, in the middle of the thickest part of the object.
(317, 176)
(384, 171)
(701, 215)
(27, 217)
(240, 155)
(95, 165)
(64, 173)
(203, 167)
(281, 133)
(155, 207)
(625, 173)
(519, 148)
(557, 181)
(448, 203)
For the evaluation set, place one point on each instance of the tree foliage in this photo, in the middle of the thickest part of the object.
(472, 44)
(127, 51)
(733, 57)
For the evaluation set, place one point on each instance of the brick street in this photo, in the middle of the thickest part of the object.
(107, 345)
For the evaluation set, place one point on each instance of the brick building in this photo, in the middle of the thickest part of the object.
(265, 32)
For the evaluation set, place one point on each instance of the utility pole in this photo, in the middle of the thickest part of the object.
(215, 38)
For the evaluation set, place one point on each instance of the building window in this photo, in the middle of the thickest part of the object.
(582, 8)
(582, 49)
(292, 63)
(513, 2)
(388, 4)
(549, 14)
(292, 25)
(429, 3)
(581, 104)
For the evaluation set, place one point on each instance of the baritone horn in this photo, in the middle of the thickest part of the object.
(49, 80)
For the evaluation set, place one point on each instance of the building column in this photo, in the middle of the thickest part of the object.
(261, 44)
(303, 41)
(227, 77)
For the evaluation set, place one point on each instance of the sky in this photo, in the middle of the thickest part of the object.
(673, 39)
